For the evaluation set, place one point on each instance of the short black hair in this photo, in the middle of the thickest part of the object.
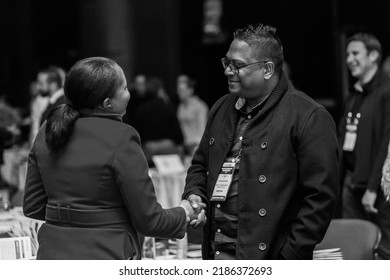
(265, 43)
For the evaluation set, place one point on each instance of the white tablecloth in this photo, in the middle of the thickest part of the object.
(169, 188)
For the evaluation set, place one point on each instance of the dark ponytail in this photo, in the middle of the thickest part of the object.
(59, 126)
(88, 83)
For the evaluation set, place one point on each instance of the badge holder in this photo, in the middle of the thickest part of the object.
(351, 132)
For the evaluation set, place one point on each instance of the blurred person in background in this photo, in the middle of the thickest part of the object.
(267, 164)
(38, 105)
(364, 133)
(9, 115)
(385, 181)
(10, 121)
(47, 92)
(157, 123)
(51, 83)
(88, 178)
(8, 136)
(5, 190)
(386, 66)
(10, 132)
(137, 92)
(192, 113)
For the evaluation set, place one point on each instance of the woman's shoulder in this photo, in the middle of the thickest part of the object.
(106, 126)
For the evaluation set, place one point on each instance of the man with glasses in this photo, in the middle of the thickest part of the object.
(267, 164)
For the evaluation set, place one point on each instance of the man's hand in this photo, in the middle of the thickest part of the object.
(199, 207)
(368, 201)
(189, 210)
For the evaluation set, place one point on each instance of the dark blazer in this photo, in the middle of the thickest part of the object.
(289, 178)
(101, 168)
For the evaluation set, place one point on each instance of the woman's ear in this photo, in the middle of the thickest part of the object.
(107, 104)
(269, 70)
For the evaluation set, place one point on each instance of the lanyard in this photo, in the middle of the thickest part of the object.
(352, 123)
(351, 132)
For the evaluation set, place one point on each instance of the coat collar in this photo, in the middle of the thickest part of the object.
(89, 113)
(265, 112)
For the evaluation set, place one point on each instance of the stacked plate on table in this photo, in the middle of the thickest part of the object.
(328, 254)
(194, 251)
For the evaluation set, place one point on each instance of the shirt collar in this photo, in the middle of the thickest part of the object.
(241, 101)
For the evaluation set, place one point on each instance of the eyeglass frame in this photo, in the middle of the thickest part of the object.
(236, 69)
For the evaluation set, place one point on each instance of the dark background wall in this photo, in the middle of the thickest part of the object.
(165, 38)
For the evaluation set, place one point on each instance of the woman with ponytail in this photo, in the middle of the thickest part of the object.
(87, 176)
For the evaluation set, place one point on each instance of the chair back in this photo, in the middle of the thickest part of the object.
(357, 239)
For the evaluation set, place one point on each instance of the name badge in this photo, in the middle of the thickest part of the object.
(349, 141)
(351, 132)
(224, 181)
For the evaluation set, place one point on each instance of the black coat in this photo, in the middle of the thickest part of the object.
(289, 177)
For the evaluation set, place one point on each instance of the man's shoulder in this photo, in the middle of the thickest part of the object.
(225, 100)
(385, 83)
(297, 98)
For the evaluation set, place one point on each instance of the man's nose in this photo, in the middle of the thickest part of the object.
(228, 71)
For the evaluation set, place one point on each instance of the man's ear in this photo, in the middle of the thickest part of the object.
(374, 55)
(269, 70)
(107, 103)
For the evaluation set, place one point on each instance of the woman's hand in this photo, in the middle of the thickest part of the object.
(189, 210)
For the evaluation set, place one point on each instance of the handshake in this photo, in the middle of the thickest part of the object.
(195, 210)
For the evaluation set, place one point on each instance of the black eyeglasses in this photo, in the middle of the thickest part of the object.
(236, 68)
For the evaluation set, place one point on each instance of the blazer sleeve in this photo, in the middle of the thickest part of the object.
(35, 198)
(137, 189)
(318, 184)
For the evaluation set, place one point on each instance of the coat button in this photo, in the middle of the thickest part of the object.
(264, 145)
(262, 246)
(262, 179)
(262, 212)
(211, 142)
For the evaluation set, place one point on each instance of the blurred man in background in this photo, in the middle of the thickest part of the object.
(364, 133)
(47, 93)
